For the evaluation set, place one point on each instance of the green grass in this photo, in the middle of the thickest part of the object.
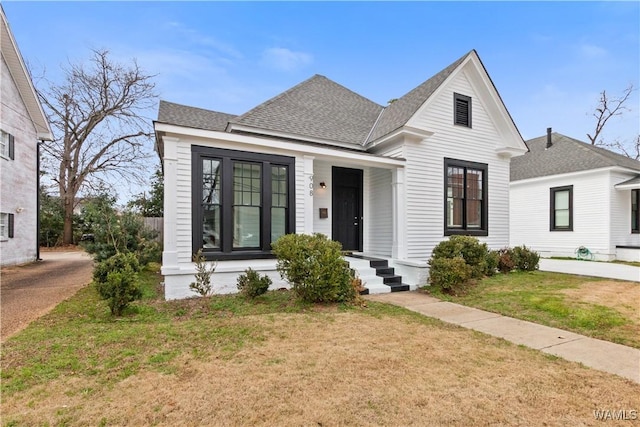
(538, 297)
(81, 338)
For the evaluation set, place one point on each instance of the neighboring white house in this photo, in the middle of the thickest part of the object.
(387, 182)
(22, 124)
(567, 194)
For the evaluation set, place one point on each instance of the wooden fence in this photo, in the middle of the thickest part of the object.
(157, 224)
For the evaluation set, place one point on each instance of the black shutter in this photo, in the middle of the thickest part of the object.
(11, 227)
(462, 112)
(12, 148)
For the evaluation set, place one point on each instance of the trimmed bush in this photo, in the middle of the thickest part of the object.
(493, 259)
(525, 259)
(452, 275)
(314, 267)
(505, 260)
(117, 262)
(119, 289)
(468, 248)
(252, 285)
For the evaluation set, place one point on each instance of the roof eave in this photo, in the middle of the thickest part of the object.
(235, 127)
(22, 79)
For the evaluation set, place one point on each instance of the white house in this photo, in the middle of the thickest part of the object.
(22, 125)
(389, 183)
(567, 194)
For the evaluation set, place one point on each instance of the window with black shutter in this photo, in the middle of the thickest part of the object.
(462, 110)
(12, 147)
(11, 226)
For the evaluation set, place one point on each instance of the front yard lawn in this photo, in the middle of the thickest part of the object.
(600, 308)
(226, 361)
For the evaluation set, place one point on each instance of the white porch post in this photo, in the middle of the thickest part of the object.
(308, 194)
(170, 161)
(399, 249)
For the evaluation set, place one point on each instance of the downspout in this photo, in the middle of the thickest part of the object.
(38, 200)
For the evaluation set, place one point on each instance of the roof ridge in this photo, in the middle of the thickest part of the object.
(600, 151)
(282, 95)
(443, 74)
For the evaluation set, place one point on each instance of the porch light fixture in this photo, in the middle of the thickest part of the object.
(323, 185)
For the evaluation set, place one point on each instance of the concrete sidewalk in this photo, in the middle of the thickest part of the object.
(610, 270)
(602, 355)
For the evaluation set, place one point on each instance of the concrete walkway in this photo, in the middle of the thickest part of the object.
(610, 270)
(602, 355)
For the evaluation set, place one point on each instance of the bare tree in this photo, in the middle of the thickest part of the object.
(100, 133)
(610, 107)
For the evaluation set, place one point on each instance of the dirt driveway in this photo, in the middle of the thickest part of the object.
(30, 291)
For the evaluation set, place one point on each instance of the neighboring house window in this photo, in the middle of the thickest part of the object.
(466, 201)
(561, 208)
(7, 145)
(462, 110)
(242, 202)
(635, 211)
(6, 226)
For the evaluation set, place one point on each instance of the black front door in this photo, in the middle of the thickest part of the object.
(347, 208)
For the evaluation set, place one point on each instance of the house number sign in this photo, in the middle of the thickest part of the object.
(311, 185)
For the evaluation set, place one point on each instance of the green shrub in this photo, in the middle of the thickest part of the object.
(120, 288)
(468, 248)
(314, 267)
(525, 259)
(452, 275)
(252, 285)
(202, 285)
(493, 259)
(117, 262)
(505, 260)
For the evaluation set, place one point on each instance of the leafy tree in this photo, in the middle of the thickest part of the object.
(116, 232)
(607, 108)
(51, 219)
(152, 206)
(99, 130)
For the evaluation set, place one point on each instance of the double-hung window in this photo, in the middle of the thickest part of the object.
(561, 209)
(242, 202)
(7, 145)
(6, 226)
(466, 201)
(635, 211)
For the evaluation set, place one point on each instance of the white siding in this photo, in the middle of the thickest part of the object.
(18, 177)
(379, 226)
(425, 169)
(322, 197)
(183, 203)
(621, 213)
(530, 216)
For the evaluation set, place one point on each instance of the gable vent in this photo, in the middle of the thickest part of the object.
(462, 106)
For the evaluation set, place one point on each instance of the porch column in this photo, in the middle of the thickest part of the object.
(399, 249)
(170, 162)
(308, 195)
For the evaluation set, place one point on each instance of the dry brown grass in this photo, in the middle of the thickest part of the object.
(621, 296)
(340, 368)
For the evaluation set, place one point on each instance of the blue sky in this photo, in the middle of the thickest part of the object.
(548, 60)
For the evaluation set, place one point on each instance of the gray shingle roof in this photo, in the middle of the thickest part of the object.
(316, 108)
(399, 112)
(565, 155)
(633, 181)
(192, 117)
